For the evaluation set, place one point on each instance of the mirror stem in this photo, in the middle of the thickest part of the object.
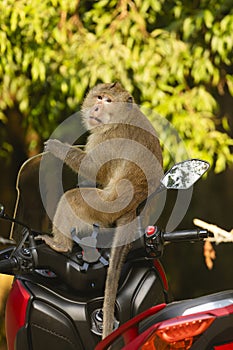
(159, 189)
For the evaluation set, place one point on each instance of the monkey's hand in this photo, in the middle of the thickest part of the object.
(57, 148)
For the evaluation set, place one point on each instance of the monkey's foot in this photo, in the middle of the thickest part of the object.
(64, 244)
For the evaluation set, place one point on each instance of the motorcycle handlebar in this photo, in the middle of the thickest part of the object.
(155, 240)
(8, 265)
(185, 235)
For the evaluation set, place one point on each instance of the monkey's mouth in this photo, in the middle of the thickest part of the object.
(95, 120)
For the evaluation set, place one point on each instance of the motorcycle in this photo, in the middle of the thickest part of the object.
(56, 298)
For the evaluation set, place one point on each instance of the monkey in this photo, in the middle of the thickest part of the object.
(121, 138)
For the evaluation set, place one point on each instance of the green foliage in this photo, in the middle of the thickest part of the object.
(175, 57)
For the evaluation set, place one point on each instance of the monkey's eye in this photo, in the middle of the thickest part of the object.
(130, 99)
(99, 98)
(107, 99)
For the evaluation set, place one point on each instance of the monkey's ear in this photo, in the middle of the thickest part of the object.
(129, 102)
(116, 84)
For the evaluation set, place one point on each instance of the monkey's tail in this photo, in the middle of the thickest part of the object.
(118, 255)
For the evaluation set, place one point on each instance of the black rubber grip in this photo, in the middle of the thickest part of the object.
(8, 265)
(185, 235)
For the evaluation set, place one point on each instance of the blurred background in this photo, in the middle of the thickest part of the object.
(175, 57)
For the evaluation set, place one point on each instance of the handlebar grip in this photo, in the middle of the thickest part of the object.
(185, 235)
(8, 265)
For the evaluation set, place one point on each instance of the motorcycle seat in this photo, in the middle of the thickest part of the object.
(190, 306)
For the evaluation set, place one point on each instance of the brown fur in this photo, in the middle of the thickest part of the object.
(110, 158)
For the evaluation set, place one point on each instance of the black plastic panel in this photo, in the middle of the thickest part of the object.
(141, 289)
(51, 329)
(22, 341)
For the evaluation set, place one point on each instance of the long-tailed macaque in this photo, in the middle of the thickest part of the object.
(124, 158)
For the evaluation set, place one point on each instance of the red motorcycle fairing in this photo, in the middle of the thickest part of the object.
(16, 311)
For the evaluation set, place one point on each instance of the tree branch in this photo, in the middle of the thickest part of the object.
(220, 235)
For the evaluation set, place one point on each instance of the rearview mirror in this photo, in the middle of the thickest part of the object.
(183, 175)
(180, 177)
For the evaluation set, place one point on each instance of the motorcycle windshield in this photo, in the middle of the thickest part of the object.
(37, 183)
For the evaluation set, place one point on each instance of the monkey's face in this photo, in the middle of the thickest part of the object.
(100, 112)
(105, 104)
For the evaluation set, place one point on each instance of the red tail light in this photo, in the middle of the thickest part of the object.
(16, 309)
(177, 333)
